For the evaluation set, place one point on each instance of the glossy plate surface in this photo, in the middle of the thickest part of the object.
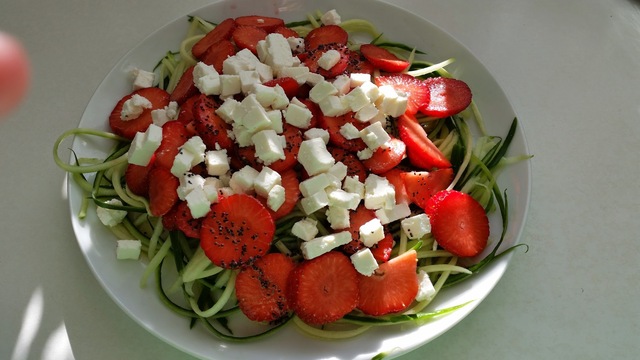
(120, 279)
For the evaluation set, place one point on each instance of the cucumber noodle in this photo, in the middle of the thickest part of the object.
(202, 291)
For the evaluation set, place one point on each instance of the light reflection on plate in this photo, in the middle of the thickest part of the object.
(121, 279)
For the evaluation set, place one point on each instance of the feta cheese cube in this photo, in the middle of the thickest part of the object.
(314, 184)
(343, 199)
(256, 119)
(128, 249)
(306, 229)
(314, 156)
(397, 212)
(371, 232)
(338, 217)
(241, 135)
(230, 85)
(317, 133)
(144, 145)
(329, 59)
(416, 226)
(321, 90)
(242, 181)
(391, 102)
(364, 261)
(196, 146)
(357, 99)
(371, 90)
(281, 101)
(339, 170)
(367, 113)
(426, 291)
(349, 131)
(278, 52)
(299, 73)
(321, 245)
(314, 202)
(168, 113)
(266, 180)
(296, 44)
(142, 79)
(364, 154)
(353, 185)
(275, 116)
(269, 146)
(342, 83)
(298, 116)
(374, 136)
(188, 182)
(314, 79)
(247, 79)
(379, 193)
(111, 217)
(227, 108)
(134, 106)
(331, 17)
(198, 202)
(210, 188)
(182, 163)
(276, 197)
(217, 162)
(333, 105)
(358, 79)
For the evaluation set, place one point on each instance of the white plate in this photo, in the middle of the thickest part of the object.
(121, 279)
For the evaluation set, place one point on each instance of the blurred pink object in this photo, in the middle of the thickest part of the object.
(14, 73)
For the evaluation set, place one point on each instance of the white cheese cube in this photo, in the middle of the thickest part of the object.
(364, 261)
(426, 291)
(198, 202)
(182, 163)
(265, 95)
(339, 170)
(379, 193)
(275, 116)
(233, 65)
(342, 83)
(210, 188)
(367, 113)
(321, 245)
(128, 249)
(142, 79)
(329, 59)
(242, 135)
(281, 101)
(364, 154)
(242, 180)
(343, 199)
(196, 146)
(296, 44)
(217, 162)
(331, 17)
(333, 105)
(397, 212)
(314, 184)
(353, 185)
(188, 182)
(227, 108)
(416, 226)
(134, 106)
(209, 85)
(144, 145)
(338, 217)
(306, 229)
(391, 102)
(298, 116)
(168, 113)
(371, 90)
(269, 146)
(247, 57)
(247, 79)
(374, 136)
(314, 156)
(230, 85)
(265, 71)
(371, 232)
(321, 90)
(225, 191)
(314, 79)
(262, 51)
(111, 217)
(256, 119)
(358, 79)
(299, 73)
(314, 202)
(317, 133)
(266, 180)
(279, 53)
(276, 197)
(357, 99)
(349, 131)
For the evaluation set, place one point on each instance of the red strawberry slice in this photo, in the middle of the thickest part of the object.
(357, 218)
(358, 64)
(237, 231)
(324, 35)
(323, 289)
(179, 217)
(355, 167)
(293, 137)
(222, 31)
(128, 128)
(333, 124)
(247, 37)
(386, 157)
(137, 178)
(286, 32)
(422, 185)
(261, 288)
(163, 188)
(448, 97)
(211, 128)
(395, 178)
(218, 53)
(174, 135)
(392, 287)
(291, 186)
(420, 149)
(288, 84)
(417, 90)
(266, 23)
(458, 223)
(184, 88)
(382, 58)
(382, 249)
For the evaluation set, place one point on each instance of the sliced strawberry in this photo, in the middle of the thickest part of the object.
(422, 185)
(174, 135)
(291, 186)
(417, 90)
(382, 58)
(137, 178)
(358, 64)
(237, 231)
(382, 249)
(286, 32)
(247, 156)
(394, 176)
(354, 165)
(448, 97)
(211, 128)
(288, 84)
(293, 137)
(128, 128)
(357, 218)
(323, 289)
(324, 35)
(266, 23)
(222, 31)
(247, 37)
(183, 220)
(261, 288)
(163, 188)
(420, 149)
(311, 60)
(386, 157)
(185, 87)
(458, 223)
(391, 288)
(333, 124)
(217, 54)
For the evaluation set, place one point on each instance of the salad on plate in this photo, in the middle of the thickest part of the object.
(311, 174)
